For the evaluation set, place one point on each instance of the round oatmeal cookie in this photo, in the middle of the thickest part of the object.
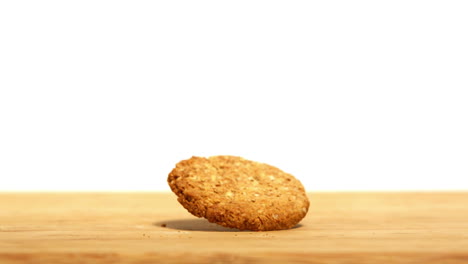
(239, 193)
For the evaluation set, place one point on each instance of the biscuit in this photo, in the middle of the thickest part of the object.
(239, 193)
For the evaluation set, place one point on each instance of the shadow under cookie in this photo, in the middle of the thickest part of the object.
(198, 224)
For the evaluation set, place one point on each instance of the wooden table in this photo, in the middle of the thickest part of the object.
(153, 227)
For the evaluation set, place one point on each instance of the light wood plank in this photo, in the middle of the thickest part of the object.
(126, 228)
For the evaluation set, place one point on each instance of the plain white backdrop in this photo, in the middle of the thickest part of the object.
(345, 95)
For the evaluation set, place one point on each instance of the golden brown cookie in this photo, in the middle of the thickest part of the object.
(239, 193)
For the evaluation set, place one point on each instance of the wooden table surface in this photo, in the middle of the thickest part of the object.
(129, 228)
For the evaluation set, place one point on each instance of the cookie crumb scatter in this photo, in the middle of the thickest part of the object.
(239, 193)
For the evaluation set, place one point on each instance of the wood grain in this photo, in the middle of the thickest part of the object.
(128, 228)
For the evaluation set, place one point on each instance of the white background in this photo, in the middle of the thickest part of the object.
(345, 95)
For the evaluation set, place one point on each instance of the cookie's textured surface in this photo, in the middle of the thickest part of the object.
(238, 193)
